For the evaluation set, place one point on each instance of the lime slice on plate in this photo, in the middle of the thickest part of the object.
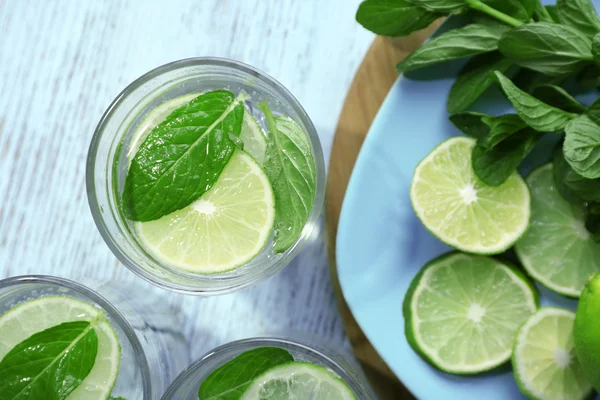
(462, 312)
(253, 138)
(460, 209)
(544, 360)
(298, 380)
(37, 315)
(224, 229)
(557, 250)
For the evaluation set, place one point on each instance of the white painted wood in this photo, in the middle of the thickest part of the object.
(61, 64)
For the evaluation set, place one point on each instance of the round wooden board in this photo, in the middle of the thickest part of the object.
(374, 78)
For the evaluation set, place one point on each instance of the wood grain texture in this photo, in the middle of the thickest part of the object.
(369, 88)
(61, 64)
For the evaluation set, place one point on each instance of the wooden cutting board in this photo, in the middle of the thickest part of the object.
(374, 78)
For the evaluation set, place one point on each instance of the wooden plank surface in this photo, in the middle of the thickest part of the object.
(371, 84)
(61, 64)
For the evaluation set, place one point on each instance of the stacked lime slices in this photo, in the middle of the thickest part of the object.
(467, 313)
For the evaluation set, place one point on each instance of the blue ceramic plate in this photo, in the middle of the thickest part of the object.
(381, 244)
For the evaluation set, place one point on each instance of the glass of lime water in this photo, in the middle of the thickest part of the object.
(60, 338)
(273, 368)
(205, 176)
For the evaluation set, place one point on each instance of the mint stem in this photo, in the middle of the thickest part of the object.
(492, 12)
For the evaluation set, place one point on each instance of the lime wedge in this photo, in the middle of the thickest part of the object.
(224, 229)
(461, 210)
(462, 312)
(544, 360)
(557, 250)
(40, 314)
(298, 380)
(253, 137)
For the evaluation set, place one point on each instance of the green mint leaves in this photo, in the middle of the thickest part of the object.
(474, 79)
(582, 146)
(229, 381)
(552, 49)
(579, 14)
(441, 6)
(183, 156)
(537, 114)
(393, 17)
(458, 43)
(291, 169)
(50, 364)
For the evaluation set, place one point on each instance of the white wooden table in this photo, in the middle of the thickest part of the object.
(61, 64)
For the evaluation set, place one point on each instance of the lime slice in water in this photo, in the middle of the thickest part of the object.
(37, 315)
(557, 250)
(225, 228)
(253, 138)
(298, 380)
(544, 360)
(461, 210)
(462, 312)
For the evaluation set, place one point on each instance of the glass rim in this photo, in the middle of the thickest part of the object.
(230, 283)
(265, 341)
(114, 314)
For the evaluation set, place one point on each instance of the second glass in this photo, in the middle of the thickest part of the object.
(157, 250)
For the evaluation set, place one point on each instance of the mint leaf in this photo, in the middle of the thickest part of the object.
(582, 146)
(49, 364)
(229, 381)
(579, 14)
(500, 128)
(393, 17)
(494, 166)
(552, 49)
(441, 6)
(519, 9)
(183, 156)
(558, 97)
(457, 43)
(596, 48)
(572, 186)
(542, 14)
(553, 11)
(471, 124)
(537, 114)
(593, 112)
(290, 167)
(474, 79)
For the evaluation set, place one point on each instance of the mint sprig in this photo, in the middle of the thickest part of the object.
(531, 52)
(49, 364)
(290, 166)
(183, 156)
(229, 381)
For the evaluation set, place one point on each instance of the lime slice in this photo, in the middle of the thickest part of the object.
(544, 360)
(40, 314)
(298, 380)
(253, 137)
(462, 312)
(224, 229)
(461, 210)
(557, 250)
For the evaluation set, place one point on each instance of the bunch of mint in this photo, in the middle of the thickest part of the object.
(533, 52)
